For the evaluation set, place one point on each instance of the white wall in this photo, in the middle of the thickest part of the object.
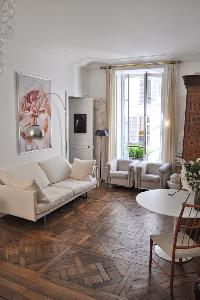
(64, 77)
(95, 81)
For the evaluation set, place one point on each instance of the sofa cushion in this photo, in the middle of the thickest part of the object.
(150, 177)
(56, 169)
(119, 174)
(77, 186)
(24, 173)
(57, 195)
(43, 207)
(82, 169)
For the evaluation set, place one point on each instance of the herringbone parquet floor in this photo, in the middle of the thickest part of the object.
(95, 248)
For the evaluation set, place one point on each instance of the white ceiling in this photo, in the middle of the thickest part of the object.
(101, 30)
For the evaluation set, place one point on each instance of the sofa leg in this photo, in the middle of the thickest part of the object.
(84, 197)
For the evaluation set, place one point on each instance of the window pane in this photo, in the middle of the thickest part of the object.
(136, 115)
(125, 116)
(153, 120)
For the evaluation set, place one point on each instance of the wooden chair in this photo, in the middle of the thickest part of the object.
(183, 243)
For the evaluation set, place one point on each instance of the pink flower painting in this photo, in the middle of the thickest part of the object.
(34, 108)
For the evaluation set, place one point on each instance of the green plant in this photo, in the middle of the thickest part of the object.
(192, 173)
(136, 151)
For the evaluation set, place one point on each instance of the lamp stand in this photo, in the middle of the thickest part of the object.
(101, 133)
(100, 157)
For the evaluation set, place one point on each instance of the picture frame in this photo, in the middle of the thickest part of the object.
(33, 108)
(80, 123)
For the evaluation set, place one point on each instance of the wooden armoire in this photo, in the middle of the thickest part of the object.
(191, 141)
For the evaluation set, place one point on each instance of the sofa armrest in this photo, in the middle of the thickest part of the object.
(140, 171)
(133, 164)
(132, 172)
(165, 168)
(110, 167)
(96, 174)
(17, 202)
(141, 168)
(165, 171)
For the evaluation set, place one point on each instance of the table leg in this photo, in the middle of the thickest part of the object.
(163, 255)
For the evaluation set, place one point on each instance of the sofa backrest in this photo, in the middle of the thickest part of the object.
(24, 173)
(122, 164)
(153, 168)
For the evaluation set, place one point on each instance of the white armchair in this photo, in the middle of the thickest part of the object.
(153, 175)
(121, 172)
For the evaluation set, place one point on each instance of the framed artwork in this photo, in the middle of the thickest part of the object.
(34, 108)
(80, 123)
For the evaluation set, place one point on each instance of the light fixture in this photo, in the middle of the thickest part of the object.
(35, 132)
(101, 133)
(167, 123)
(7, 23)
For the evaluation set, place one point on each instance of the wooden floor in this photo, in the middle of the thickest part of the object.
(95, 248)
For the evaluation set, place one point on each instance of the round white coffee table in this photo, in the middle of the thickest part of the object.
(159, 201)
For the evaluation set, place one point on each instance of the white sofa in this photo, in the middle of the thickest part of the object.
(52, 177)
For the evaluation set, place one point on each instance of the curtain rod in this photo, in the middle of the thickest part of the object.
(156, 63)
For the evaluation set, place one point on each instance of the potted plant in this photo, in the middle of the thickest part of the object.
(136, 151)
(192, 173)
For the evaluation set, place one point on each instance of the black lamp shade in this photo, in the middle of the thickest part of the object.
(102, 132)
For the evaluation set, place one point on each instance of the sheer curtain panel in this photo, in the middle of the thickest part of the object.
(111, 113)
(169, 120)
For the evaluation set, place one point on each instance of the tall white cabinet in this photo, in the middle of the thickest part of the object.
(80, 128)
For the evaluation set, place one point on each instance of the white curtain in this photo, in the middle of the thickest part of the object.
(111, 113)
(169, 115)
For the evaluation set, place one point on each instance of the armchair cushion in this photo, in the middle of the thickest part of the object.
(150, 178)
(153, 168)
(122, 164)
(119, 174)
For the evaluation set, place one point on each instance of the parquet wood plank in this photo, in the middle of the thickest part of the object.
(21, 290)
(53, 291)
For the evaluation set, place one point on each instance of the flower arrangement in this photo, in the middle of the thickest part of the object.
(192, 173)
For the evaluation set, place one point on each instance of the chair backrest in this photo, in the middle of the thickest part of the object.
(122, 164)
(188, 225)
(153, 168)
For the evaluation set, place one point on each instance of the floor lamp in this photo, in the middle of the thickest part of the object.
(37, 133)
(101, 133)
